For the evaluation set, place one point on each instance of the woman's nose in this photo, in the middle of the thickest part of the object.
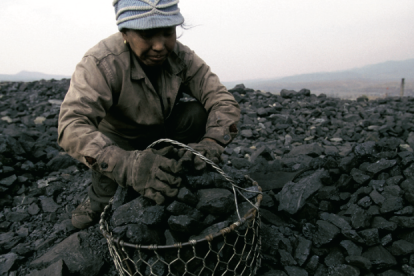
(158, 43)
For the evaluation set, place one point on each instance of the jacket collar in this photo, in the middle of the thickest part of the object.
(137, 72)
(174, 65)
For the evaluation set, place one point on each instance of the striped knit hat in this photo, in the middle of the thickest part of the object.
(147, 14)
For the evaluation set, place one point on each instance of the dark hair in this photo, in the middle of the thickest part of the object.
(185, 27)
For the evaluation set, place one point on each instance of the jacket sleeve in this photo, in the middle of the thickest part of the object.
(85, 105)
(223, 110)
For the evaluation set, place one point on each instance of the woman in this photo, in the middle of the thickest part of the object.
(124, 95)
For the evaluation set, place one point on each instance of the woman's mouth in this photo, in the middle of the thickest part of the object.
(157, 57)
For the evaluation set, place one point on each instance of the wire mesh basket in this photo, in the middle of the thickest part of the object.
(234, 250)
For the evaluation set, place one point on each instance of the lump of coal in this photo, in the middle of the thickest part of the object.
(215, 201)
(294, 195)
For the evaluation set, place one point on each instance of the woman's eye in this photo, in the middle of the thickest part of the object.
(146, 34)
(169, 31)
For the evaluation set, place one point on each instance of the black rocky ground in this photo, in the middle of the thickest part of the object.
(338, 177)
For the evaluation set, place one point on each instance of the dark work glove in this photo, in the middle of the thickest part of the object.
(156, 175)
(152, 173)
(210, 149)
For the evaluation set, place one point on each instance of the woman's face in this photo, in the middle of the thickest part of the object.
(152, 46)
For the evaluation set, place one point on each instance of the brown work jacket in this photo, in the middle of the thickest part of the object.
(109, 92)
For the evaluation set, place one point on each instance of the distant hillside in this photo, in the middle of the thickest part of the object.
(381, 72)
(30, 76)
(386, 71)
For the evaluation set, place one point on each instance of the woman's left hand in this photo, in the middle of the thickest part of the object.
(207, 147)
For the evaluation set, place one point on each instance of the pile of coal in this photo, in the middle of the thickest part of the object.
(180, 219)
(338, 181)
(204, 205)
(337, 177)
(40, 186)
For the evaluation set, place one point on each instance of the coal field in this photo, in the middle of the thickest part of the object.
(337, 179)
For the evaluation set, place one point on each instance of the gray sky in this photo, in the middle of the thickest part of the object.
(239, 39)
